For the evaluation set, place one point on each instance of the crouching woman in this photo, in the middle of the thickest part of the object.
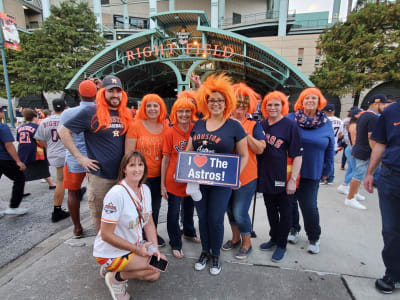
(119, 246)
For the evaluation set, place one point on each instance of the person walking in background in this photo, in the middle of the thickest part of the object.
(239, 203)
(12, 167)
(345, 140)
(48, 136)
(362, 147)
(277, 184)
(146, 136)
(337, 125)
(216, 133)
(74, 174)
(318, 142)
(386, 135)
(104, 126)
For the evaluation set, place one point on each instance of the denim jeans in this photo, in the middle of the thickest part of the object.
(306, 195)
(351, 166)
(211, 211)
(155, 188)
(344, 157)
(173, 228)
(279, 212)
(331, 176)
(238, 207)
(389, 203)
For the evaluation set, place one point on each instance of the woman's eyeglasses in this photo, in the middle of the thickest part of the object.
(215, 101)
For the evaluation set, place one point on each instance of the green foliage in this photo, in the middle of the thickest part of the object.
(51, 56)
(362, 51)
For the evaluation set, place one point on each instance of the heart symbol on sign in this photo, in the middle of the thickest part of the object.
(200, 160)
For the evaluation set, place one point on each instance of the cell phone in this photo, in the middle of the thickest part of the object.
(160, 265)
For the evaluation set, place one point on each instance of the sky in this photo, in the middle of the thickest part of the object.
(303, 6)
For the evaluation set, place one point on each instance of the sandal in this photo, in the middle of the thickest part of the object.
(193, 239)
(177, 253)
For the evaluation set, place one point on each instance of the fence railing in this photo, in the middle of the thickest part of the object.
(254, 18)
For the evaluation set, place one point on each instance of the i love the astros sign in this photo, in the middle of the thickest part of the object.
(208, 168)
(204, 50)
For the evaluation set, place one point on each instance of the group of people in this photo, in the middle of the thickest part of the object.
(130, 165)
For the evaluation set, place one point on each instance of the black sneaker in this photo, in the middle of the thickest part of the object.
(202, 261)
(215, 268)
(229, 245)
(59, 215)
(387, 285)
(160, 241)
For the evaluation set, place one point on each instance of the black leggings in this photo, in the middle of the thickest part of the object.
(12, 171)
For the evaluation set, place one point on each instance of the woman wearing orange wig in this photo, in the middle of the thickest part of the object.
(175, 139)
(219, 134)
(317, 139)
(239, 203)
(146, 136)
(274, 181)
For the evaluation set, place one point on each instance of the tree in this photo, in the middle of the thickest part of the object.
(51, 56)
(360, 52)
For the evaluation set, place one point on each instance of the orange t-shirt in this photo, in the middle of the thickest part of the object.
(175, 140)
(149, 144)
(250, 171)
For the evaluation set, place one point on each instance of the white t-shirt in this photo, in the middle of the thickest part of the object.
(119, 209)
(337, 125)
(47, 132)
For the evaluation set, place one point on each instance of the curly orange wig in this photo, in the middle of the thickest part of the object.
(243, 89)
(102, 115)
(277, 96)
(187, 93)
(141, 113)
(181, 103)
(312, 90)
(216, 83)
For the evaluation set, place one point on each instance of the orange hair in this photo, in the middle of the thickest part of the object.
(102, 115)
(141, 112)
(181, 103)
(276, 95)
(187, 93)
(243, 89)
(216, 83)
(312, 90)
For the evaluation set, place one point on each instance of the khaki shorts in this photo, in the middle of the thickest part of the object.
(97, 188)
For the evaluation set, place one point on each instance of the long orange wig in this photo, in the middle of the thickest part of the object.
(276, 95)
(182, 103)
(102, 115)
(312, 90)
(244, 90)
(141, 113)
(216, 83)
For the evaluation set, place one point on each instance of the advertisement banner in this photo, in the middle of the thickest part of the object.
(10, 32)
(208, 168)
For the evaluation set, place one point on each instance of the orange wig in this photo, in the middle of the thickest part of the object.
(216, 83)
(312, 90)
(141, 113)
(102, 115)
(187, 93)
(275, 95)
(244, 90)
(182, 103)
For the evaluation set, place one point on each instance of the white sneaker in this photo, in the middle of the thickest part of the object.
(343, 189)
(117, 289)
(43, 180)
(313, 247)
(359, 197)
(103, 271)
(293, 236)
(15, 211)
(354, 203)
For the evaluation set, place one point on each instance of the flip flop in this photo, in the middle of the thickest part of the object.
(177, 253)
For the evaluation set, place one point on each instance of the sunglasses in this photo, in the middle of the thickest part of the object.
(244, 101)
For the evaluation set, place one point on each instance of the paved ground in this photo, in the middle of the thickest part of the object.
(346, 268)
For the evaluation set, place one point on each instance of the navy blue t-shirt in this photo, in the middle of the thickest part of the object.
(387, 131)
(222, 140)
(26, 142)
(365, 125)
(106, 145)
(283, 139)
(5, 137)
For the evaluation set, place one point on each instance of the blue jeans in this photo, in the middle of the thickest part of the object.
(155, 188)
(306, 195)
(173, 228)
(331, 176)
(211, 211)
(389, 203)
(238, 207)
(351, 165)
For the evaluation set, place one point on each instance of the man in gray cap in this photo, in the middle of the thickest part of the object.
(104, 126)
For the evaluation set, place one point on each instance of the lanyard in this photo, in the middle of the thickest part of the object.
(137, 205)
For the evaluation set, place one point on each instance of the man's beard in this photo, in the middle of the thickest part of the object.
(109, 102)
